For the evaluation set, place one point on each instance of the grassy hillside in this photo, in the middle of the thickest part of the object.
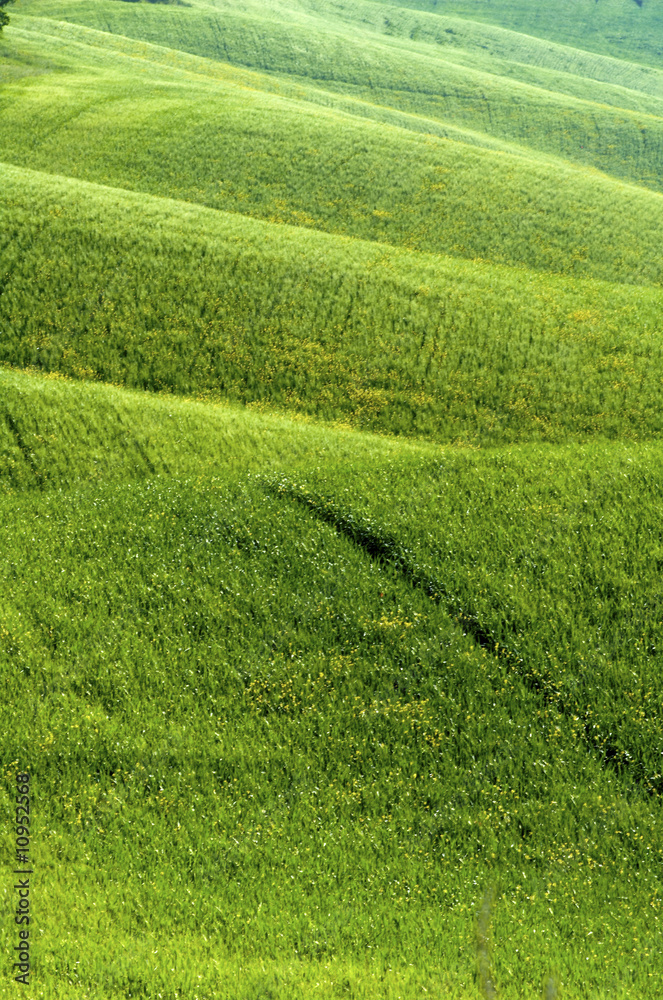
(58, 432)
(166, 296)
(330, 497)
(279, 160)
(412, 77)
(401, 28)
(630, 29)
(277, 736)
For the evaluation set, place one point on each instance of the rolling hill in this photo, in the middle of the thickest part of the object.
(604, 116)
(629, 30)
(331, 478)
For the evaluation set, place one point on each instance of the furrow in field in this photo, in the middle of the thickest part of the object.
(579, 706)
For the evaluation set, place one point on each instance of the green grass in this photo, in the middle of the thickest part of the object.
(561, 578)
(330, 497)
(57, 432)
(627, 30)
(467, 90)
(360, 771)
(441, 35)
(134, 121)
(220, 306)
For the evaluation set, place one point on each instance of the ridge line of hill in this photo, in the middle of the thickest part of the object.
(440, 22)
(160, 294)
(470, 102)
(307, 92)
(606, 46)
(397, 23)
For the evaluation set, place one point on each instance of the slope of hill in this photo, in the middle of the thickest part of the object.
(628, 29)
(413, 77)
(244, 718)
(169, 296)
(278, 159)
(330, 496)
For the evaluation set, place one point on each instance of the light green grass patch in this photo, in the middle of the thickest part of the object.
(468, 91)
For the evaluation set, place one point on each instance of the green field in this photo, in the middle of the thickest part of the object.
(331, 492)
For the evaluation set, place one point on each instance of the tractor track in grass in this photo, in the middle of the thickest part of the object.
(23, 448)
(389, 553)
